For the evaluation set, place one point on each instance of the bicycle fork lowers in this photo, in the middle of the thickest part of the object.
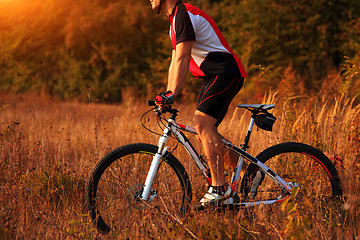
(157, 158)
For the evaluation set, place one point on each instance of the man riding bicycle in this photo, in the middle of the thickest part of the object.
(199, 46)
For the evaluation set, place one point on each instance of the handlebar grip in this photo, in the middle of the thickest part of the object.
(151, 103)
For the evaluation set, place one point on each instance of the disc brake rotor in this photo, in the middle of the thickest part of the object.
(134, 196)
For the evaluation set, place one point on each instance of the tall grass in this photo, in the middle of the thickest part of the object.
(48, 148)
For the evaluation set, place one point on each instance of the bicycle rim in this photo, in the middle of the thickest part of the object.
(115, 188)
(300, 165)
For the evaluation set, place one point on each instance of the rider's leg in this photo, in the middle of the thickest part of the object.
(213, 146)
(213, 102)
(231, 159)
(206, 122)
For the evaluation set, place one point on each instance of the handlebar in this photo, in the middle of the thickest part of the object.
(162, 109)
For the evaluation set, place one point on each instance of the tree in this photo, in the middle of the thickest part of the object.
(308, 36)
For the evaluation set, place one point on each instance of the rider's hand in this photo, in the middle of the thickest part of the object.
(163, 99)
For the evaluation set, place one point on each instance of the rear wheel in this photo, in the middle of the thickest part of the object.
(116, 184)
(299, 165)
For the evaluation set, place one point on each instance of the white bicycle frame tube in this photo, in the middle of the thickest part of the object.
(187, 144)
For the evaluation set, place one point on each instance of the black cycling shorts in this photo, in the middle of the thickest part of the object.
(216, 94)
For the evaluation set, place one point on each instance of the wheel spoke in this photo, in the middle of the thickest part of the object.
(300, 164)
(119, 187)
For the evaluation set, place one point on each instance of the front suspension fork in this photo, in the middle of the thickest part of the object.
(155, 164)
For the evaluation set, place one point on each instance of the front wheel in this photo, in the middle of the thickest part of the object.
(298, 164)
(115, 186)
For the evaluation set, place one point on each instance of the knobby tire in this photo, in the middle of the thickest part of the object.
(300, 163)
(115, 184)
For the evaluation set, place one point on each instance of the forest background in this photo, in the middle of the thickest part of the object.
(301, 55)
(81, 49)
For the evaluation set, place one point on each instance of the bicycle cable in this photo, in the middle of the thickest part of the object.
(142, 124)
(160, 120)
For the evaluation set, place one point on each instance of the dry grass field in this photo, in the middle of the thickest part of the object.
(48, 149)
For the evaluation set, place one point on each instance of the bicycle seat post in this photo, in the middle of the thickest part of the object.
(245, 146)
(255, 109)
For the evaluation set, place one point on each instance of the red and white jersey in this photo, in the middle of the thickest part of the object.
(210, 54)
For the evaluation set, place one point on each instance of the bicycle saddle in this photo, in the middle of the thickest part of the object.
(256, 106)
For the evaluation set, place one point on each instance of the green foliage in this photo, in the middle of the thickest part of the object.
(73, 48)
(82, 45)
(350, 73)
(307, 36)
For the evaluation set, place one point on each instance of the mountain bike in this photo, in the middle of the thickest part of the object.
(140, 178)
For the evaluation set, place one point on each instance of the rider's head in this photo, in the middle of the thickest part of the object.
(157, 4)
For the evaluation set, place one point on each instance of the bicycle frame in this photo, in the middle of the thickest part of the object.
(177, 128)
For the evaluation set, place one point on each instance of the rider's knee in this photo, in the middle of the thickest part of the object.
(204, 125)
(200, 124)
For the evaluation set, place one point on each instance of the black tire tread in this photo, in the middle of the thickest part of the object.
(289, 147)
(105, 162)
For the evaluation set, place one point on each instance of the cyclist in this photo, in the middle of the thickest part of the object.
(199, 46)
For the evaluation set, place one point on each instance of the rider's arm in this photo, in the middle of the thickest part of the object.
(179, 66)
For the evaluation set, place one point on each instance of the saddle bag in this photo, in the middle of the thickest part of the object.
(265, 121)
